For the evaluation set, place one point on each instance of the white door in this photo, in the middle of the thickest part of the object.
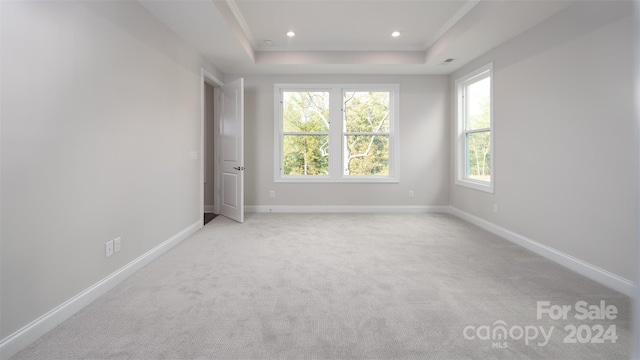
(232, 150)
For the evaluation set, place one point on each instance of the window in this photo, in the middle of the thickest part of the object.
(336, 133)
(305, 125)
(474, 142)
(366, 133)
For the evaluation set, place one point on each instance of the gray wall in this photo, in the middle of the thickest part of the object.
(100, 110)
(424, 147)
(566, 147)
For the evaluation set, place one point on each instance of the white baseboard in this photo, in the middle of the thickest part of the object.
(17, 341)
(583, 268)
(344, 209)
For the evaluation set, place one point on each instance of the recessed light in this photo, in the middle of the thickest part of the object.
(268, 42)
(291, 34)
(395, 33)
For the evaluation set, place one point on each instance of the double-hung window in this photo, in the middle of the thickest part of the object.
(474, 142)
(305, 132)
(336, 133)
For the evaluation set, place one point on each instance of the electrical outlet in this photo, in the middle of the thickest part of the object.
(495, 208)
(117, 244)
(108, 248)
(410, 193)
(272, 193)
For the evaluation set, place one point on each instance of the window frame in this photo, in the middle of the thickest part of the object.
(337, 133)
(461, 85)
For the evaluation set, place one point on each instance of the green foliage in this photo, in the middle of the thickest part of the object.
(368, 113)
(479, 143)
(369, 155)
(306, 112)
(306, 155)
(306, 129)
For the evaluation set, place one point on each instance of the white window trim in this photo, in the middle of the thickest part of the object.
(335, 135)
(461, 156)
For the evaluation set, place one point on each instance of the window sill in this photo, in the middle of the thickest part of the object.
(354, 180)
(476, 185)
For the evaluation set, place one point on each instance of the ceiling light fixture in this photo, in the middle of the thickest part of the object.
(291, 34)
(268, 42)
(395, 33)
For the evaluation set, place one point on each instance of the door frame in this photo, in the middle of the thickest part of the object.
(207, 77)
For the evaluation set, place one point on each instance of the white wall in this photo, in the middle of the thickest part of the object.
(424, 147)
(100, 110)
(566, 147)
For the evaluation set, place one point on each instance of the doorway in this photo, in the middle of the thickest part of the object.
(222, 147)
(209, 153)
(209, 193)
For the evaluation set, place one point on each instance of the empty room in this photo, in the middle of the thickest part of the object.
(319, 179)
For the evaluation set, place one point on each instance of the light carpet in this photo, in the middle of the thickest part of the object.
(343, 286)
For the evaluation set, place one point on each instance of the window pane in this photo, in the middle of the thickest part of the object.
(305, 111)
(366, 111)
(306, 155)
(479, 156)
(479, 104)
(366, 155)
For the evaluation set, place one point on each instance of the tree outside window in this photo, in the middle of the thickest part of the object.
(336, 133)
(306, 132)
(474, 149)
(366, 133)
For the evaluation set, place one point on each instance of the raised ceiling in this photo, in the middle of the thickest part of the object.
(348, 36)
(346, 25)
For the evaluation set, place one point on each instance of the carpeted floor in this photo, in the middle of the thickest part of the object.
(344, 286)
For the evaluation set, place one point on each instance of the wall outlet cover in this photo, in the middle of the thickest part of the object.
(108, 248)
(117, 244)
